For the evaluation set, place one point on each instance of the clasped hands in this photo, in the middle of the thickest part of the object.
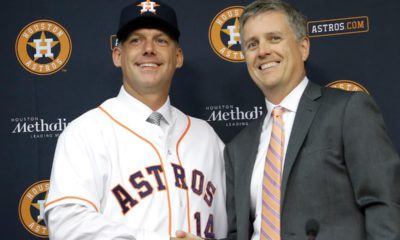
(184, 235)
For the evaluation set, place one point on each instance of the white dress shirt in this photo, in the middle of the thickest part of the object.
(290, 104)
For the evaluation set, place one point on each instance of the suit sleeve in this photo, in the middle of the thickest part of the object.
(374, 167)
(230, 195)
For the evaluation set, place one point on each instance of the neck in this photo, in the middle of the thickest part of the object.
(154, 100)
(277, 94)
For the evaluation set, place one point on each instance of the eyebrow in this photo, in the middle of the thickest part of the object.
(265, 34)
(274, 33)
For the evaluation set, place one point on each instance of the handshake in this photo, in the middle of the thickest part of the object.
(184, 235)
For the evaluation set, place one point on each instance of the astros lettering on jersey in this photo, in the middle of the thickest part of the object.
(132, 172)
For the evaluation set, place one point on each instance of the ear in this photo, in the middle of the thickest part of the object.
(304, 46)
(116, 56)
(179, 57)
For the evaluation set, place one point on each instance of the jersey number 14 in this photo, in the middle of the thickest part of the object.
(209, 229)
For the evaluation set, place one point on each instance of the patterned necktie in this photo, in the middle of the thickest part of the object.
(271, 194)
(154, 118)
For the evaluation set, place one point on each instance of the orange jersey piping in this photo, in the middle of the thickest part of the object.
(179, 159)
(72, 197)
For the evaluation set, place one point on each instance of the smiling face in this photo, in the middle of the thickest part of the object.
(148, 59)
(275, 58)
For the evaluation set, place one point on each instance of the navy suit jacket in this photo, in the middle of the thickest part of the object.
(340, 169)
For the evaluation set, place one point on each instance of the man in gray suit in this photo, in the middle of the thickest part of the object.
(332, 171)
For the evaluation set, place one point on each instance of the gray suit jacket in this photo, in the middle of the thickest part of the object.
(340, 169)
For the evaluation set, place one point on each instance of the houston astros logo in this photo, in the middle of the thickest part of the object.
(148, 6)
(43, 47)
(31, 208)
(347, 85)
(224, 34)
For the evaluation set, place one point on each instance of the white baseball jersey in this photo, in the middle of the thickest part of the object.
(141, 175)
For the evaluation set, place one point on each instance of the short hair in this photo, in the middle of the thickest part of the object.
(296, 19)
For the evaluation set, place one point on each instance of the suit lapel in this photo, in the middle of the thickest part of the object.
(301, 125)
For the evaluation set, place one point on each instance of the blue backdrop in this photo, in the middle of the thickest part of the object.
(45, 84)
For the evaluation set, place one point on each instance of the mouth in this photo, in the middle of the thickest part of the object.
(148, 65)
(268, 65)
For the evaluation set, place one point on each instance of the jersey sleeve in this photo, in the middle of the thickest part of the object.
(78, 222)
(77, 175)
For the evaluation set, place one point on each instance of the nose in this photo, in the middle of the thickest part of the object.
(264, 49)
(149, 48)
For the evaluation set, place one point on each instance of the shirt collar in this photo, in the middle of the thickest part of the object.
(141, 110)
(291, 101)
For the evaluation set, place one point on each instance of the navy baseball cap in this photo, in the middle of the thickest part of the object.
(148, 14)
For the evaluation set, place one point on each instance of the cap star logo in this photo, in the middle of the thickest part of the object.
(148, 6)
(347, 85)
(43, 47)
(31, 208)
(224, 34)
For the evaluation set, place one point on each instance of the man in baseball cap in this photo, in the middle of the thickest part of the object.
(136, 167)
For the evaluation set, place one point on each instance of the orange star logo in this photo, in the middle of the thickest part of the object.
(148, 6)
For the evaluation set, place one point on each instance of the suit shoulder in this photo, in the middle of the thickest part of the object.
(329, 91)
(337, 96)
